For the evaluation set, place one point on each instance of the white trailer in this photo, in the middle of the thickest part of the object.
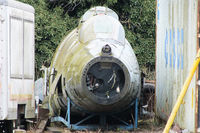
(16, 60)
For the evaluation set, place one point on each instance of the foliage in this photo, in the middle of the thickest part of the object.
(139, 21)
(55, 18)
(50, 27)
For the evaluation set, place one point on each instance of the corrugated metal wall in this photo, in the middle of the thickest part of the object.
(176, 48)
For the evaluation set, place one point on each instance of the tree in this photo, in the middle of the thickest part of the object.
(51, 25)
(55, 18)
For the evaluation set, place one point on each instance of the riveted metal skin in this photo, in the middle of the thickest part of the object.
(80, 55)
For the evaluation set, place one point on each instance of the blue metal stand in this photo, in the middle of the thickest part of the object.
(136, 113)
(78, 126)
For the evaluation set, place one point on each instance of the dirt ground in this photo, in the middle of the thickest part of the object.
(150, 125)
(145, 125)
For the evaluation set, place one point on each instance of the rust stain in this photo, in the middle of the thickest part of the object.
(20, 97)
(165, 113)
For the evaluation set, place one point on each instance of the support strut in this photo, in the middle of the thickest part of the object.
(102, 120)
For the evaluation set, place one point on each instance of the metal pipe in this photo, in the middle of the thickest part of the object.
(136, 112)
(45, 82)
(182, 94)
(68, 112)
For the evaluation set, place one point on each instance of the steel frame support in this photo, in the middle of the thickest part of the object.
(102, 122)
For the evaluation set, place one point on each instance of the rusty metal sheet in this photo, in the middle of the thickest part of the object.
(176, 48)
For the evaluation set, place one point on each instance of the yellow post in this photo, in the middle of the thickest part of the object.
(182, 94)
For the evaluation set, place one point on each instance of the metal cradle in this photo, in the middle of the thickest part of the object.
(102, 123)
